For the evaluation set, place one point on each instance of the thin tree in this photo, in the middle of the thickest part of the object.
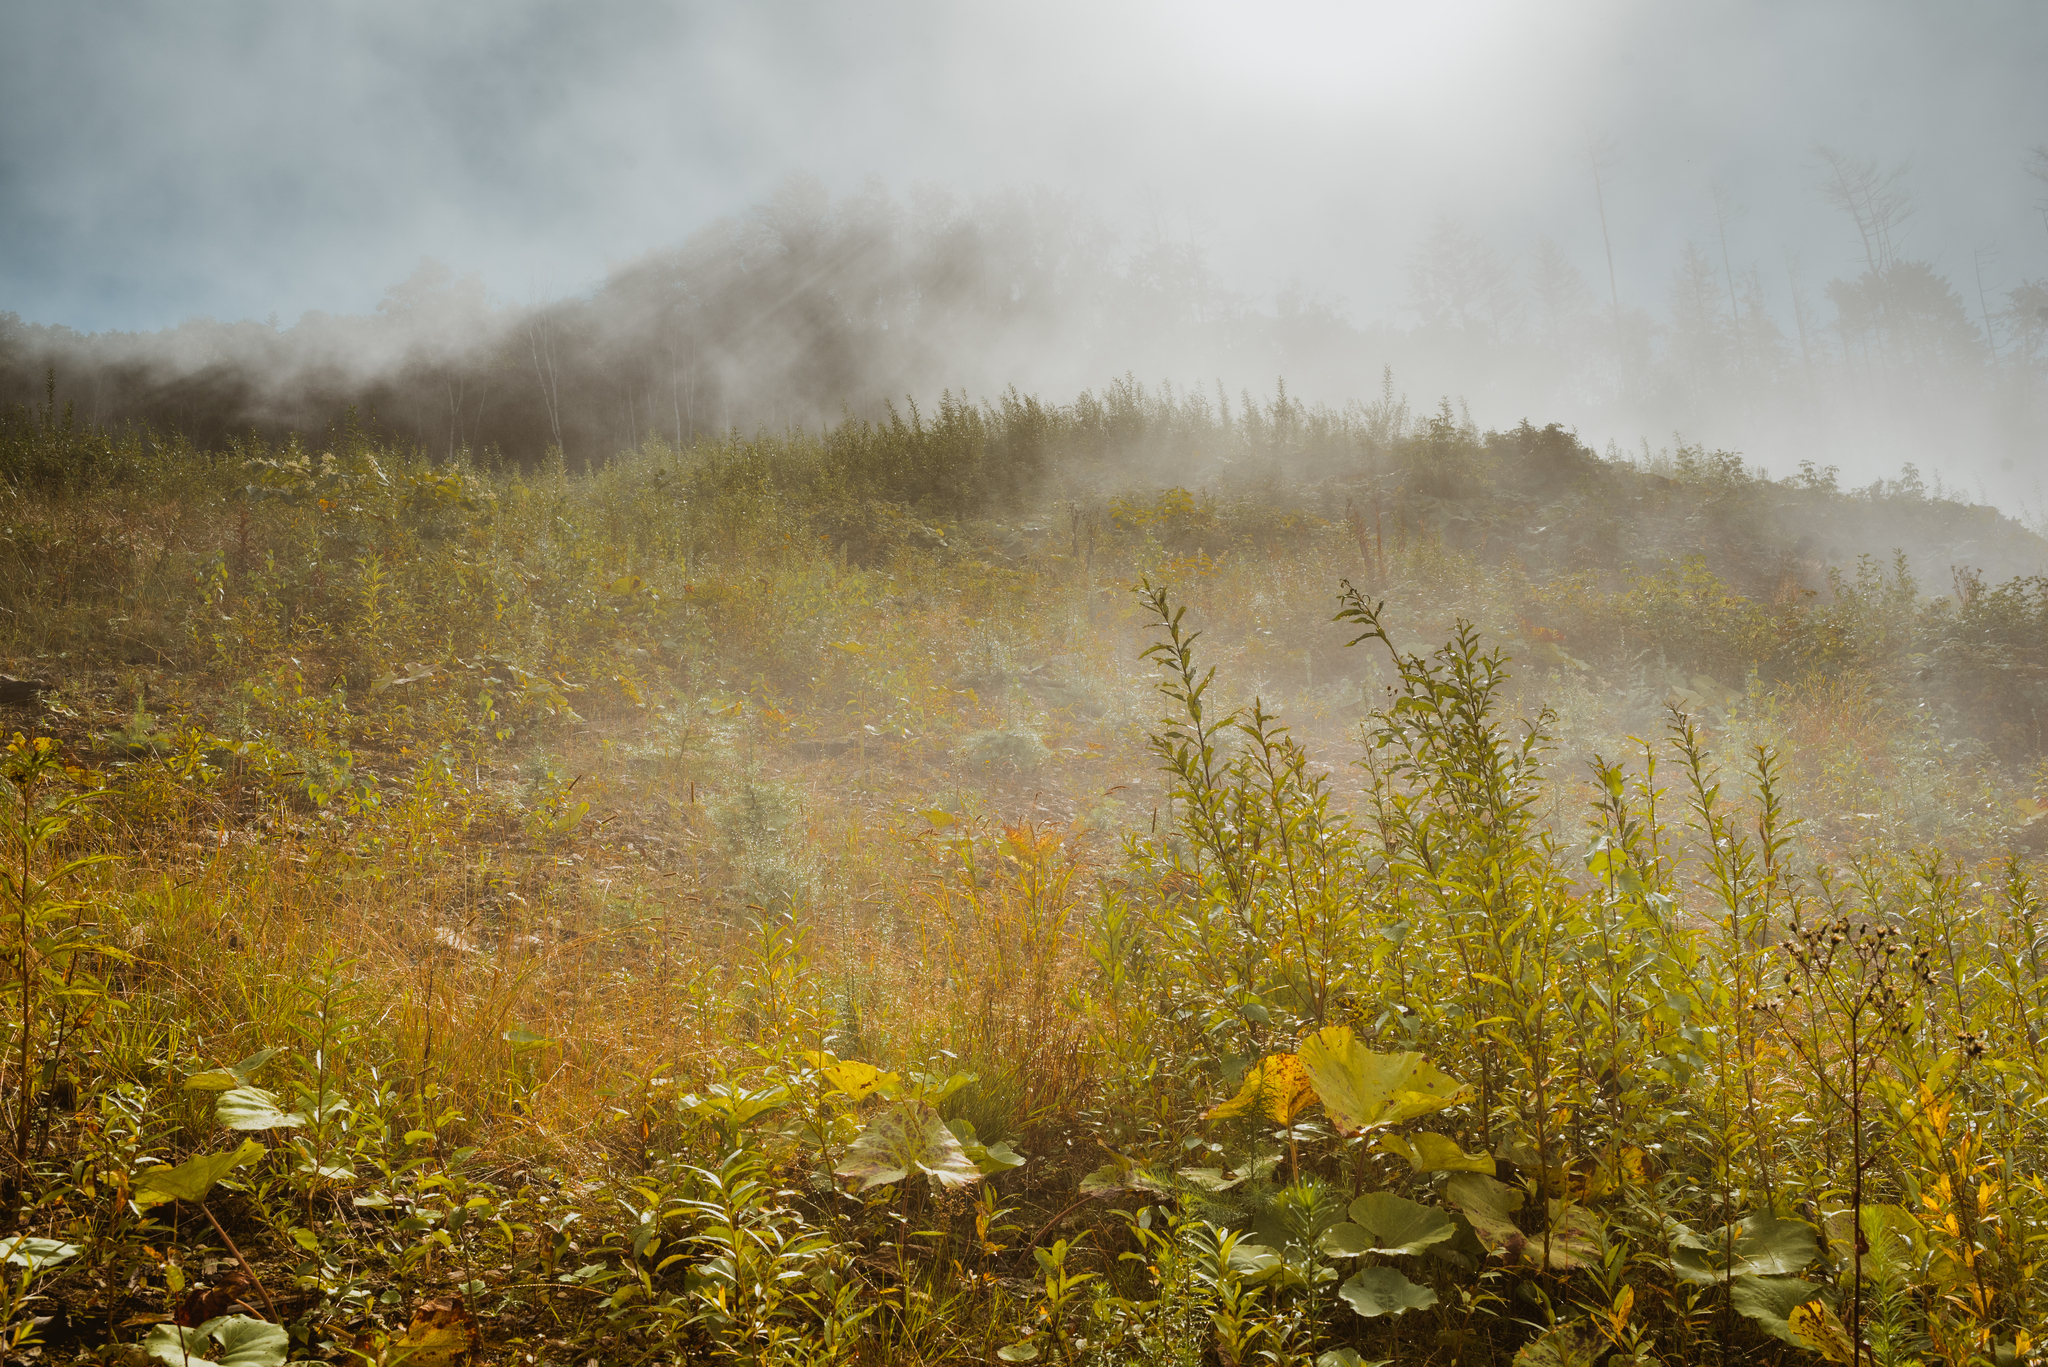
(540, 339)
(1878, 203)
(1990, 336)
(1602, 156)
(1875, 199)
(1722, 213)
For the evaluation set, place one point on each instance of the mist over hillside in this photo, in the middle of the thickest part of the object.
(807, 308)
(1808, 232)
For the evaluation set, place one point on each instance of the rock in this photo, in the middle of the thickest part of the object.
(21, 692)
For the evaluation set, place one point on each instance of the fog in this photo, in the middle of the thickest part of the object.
(1613, 216)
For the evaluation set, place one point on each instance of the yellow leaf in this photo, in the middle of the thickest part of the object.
(1613, 1172)
(442, 1333)
(859, 1080)
(1816, 1326)
(1435, 1153)
(850, 647)
(1623, 1303)
(1363, 1090)
(939, 817)
(1276, 1086)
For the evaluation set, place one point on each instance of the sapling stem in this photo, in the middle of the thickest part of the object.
(246, 1265)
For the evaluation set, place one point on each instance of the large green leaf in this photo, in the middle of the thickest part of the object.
(1571, 1240)
(193, 1178)
(1435, 1153)
(1375, 1291)
(35, 1254)
(252, 1108)
(1463, 1248)
(931, 1089)
(1363, 1090)
(1388, 1224)
(234, 1075)
(1770, 1301)
(244, 1342)
(908, 1138)
(989, 1158)
(1490, 1205)
(1762, 1245)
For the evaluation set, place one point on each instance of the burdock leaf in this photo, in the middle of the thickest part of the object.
(1375, 1291)
(252, 1108)
(1276, 1087)
(904, 1139)
(35, 1254)
(235, 1075)
(989, 1158)
(244, 1342)
(1770, 1301)
(860, 1080)
(1435, 1153)
(212, 1080)
(1814, 1325)
(193, 1178)
(1762, 1245)
(1572, 1241)
(1489, 1204)
(1364, 1090)
(1388, 1224)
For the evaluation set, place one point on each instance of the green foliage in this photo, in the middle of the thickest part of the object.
(1387, 1224)
(908, 1138)
(1376, 1291)
(192, 1179)
(242, 1342)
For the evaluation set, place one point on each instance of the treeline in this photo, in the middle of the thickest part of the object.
(786, 318)
(808, 309)
(1684, 562)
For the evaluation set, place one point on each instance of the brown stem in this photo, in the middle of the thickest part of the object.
(1061, 1216)
(26, 1086)
(247, 1266)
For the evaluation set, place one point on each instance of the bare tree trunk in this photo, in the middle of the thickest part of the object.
(540, 340)
(1721, 216)
(1602, 157)
(1990, 337)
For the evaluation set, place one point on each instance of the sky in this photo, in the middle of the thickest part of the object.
(164, 161)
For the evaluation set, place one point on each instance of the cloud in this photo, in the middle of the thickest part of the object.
(236, 159)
